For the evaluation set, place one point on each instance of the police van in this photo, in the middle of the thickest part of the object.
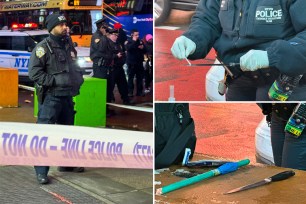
(16, 46)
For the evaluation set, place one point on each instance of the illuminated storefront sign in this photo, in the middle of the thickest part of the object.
(25, 5)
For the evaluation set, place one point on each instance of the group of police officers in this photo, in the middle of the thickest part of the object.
(109, 56)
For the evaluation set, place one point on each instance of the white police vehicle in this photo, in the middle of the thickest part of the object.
(16, 46)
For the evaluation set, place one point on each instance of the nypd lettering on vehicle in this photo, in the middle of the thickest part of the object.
(18, 60)
(18, 57)
(269, 15)
(21, 63)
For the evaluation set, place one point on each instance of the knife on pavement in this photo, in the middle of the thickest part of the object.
(277, 177)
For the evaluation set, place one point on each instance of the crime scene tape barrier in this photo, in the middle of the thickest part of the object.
(61, 145)
(137, 108)
(29, 88)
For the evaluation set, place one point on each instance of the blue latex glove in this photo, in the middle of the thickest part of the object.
(254, 60)
(182, 47)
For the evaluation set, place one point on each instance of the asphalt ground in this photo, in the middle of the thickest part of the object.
(189, 82)
(96, 185)
(226, 130)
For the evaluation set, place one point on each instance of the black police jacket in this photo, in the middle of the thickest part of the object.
(101, 47)
(117, 48)
(55, 68)
(233, 27)
(135, 55)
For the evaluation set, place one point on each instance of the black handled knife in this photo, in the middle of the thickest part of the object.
(277, 177)
(225, 66)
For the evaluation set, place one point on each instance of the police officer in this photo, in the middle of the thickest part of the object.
(266, 37)
(122, 35)
(149, 63)
(289, 150)
(117, 75)
(135, 57)
(54, 69)
(101, 54)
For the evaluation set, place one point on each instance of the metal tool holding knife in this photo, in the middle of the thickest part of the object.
(219, 64)
(277, 177)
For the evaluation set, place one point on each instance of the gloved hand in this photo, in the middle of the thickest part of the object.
(254, 60)
(182, 47)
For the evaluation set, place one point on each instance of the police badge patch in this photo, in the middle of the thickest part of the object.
(40, 51)
(97, 40)
(269, 15)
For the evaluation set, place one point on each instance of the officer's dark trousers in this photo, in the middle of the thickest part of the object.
(54, 110)
(138, 70)
(148, 74)
(103, 72)
(246, 88)
(288, 151)
(118, 77)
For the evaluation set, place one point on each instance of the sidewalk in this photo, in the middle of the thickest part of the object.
(96, 185)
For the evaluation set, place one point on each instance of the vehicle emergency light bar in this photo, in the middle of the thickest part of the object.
(25, 25)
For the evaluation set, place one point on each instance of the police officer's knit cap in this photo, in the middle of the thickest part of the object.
(54, 20)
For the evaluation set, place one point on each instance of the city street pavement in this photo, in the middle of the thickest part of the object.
(96, 185)
(189, 82)
(226, 130)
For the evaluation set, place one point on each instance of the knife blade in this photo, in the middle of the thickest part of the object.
(225, 66)
(277, 177)
(209, 64)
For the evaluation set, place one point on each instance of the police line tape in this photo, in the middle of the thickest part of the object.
(61, 145)
(137, 108)
(29, 88)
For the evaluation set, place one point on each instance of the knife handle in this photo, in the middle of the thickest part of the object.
(282, 176)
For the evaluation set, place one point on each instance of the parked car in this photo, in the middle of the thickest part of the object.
(16, 47)
(162, 8)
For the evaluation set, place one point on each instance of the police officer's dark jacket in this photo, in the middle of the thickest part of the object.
(149, 47)
(135, 55)
(54, 66)
(100, 47)
(117, 48)
(233, 27)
